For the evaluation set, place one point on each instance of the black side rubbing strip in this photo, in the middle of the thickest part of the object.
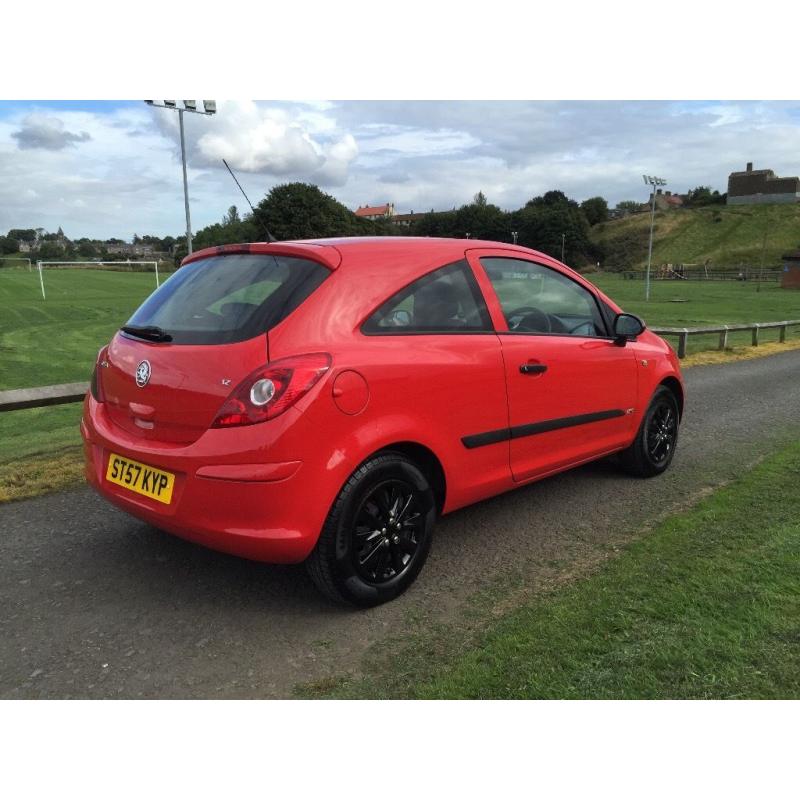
(532, 428)
(482, 439)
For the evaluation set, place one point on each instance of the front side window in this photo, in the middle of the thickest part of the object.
(447, 300)
(537, 299)
(229, 298)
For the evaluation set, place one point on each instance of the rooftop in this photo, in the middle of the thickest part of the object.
(373, 211)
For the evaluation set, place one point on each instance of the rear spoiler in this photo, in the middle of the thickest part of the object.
(327, 255)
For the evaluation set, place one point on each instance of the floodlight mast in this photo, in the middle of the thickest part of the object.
(209, 108)
(653, 182)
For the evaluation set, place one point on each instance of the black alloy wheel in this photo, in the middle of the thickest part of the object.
(387, 531)
(378, 533)
(652, 450)
(662, 432)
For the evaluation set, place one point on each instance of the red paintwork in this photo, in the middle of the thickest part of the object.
(263, 491)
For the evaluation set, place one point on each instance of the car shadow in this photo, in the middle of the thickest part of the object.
(146, 563)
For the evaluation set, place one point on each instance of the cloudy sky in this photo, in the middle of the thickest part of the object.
(103, 169)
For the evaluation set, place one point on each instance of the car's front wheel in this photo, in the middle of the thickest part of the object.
(378, 533)
(654, 446)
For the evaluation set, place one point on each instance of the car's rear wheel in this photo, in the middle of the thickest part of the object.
(377, 535)
(654, 446)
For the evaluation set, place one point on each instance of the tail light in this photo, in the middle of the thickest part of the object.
(96, 384)
(268, 391)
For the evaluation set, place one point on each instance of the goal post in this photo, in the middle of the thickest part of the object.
(18, 258)
(40, 265)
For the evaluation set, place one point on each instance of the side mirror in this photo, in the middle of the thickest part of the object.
(627, 327)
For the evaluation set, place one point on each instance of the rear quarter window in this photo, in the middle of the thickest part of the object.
(446, 300)
(229, 298)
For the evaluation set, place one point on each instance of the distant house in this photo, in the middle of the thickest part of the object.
(406, 220)
(375, 212)
(761, 186)
(667, 200)
(125, 249)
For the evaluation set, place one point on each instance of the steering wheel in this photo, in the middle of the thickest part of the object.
(534, 318)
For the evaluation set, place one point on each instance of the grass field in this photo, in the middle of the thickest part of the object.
(705, 606)
(727, 235)
(56, 340)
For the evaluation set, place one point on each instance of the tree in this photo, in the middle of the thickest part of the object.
(439, 224)
(544, 220)
(232, 217)
(50, 250)
(85, 248)
(23, 235)
(703, 196)
(554, 197)
(595, 209)
(303, 211)
(479, 219)
(626, 207)
(8, 245)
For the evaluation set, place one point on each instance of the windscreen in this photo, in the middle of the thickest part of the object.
(229, 298)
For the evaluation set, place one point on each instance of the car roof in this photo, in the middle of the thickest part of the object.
(361, 251)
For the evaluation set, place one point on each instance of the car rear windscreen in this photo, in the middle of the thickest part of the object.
(229, 298)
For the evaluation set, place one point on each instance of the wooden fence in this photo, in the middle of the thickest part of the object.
(38, 397)
(683, 334)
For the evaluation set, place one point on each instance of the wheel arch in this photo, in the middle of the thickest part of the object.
(427, 461)
(674, 385)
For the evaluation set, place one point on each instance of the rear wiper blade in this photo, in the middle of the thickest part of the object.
(151, 332)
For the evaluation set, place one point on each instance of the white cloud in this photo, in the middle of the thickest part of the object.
(299, 142)
(122, 174)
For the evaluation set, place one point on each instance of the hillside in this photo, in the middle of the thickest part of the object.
(727, 235)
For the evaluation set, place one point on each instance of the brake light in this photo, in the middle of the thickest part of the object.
(268, 391)
(96, 384)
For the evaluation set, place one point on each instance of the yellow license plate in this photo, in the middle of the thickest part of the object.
(140, 478)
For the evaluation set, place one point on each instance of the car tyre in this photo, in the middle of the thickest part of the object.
(377, 535)
(653, 448)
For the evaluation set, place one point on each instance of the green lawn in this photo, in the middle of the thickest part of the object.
(705, 606)
(56, 340)
(705, 303)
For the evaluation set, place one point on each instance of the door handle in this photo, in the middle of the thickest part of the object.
(532, 369)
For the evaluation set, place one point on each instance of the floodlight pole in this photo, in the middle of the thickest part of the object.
(209, 108)
(650, 247)
(185, 185)
(653, 182)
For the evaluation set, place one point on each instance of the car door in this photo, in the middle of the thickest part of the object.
(571, 388)
(436, 359)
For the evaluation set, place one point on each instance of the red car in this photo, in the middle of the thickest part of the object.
(325, 401)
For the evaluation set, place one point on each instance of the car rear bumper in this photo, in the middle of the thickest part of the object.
(260, 511)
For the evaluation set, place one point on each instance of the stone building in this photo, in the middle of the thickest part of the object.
(761, 186)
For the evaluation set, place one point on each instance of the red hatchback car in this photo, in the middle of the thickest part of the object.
(324, 401)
